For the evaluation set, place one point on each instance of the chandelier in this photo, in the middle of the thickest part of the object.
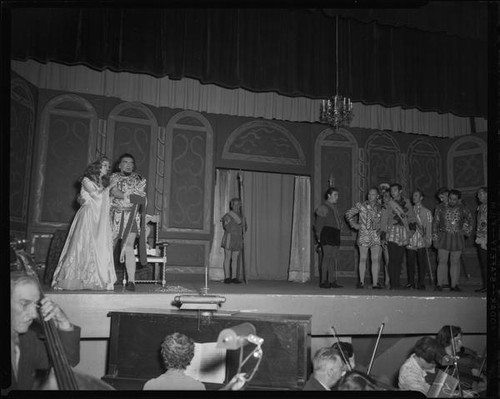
(337, 110)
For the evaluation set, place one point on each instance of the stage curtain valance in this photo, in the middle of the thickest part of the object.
(288, 51)
(190, 94)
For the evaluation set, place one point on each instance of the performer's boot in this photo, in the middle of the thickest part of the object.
(130, 264)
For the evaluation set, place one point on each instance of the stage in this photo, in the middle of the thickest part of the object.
(352, 311)
(356, 314)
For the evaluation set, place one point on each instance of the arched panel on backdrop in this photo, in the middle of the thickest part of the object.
(466, 164)
(336, 163)
(467, 171)
(384, 160)
(424, 169)
(264, 141)
(67, 144)
(133, 129)
(189, 174)
(22, 123)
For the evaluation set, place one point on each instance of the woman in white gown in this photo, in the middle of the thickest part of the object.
(86, 260)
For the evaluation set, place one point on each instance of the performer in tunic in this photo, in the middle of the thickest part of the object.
(86, 261)
(128, 211)
(234, 225)
(385, 197)
(417, 249)
(368, 226)
(397, 225)
(482, 234)
(451, 223)
(327, 234)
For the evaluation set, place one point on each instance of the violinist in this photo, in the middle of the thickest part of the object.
(418, 371)
(466, 360)
(28, 352)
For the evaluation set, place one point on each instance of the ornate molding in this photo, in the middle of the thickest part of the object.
(194, 122)
(21, 94)
(263, 141)
(85, 110)
(470, 152)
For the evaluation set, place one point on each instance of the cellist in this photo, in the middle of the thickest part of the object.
(28, 351)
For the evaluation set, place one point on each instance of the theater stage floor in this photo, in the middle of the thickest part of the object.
(352, 311)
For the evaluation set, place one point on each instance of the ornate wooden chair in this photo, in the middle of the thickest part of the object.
(156, 252)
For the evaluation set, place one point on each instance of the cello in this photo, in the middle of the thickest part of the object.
(65, 377)
(457, 378)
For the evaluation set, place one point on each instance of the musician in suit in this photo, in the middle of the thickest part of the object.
(397, 225)
(28, 351)
(418, 371)
(328, 368)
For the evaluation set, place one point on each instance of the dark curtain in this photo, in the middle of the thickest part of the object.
(290, 51)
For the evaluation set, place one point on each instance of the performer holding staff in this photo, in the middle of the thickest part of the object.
(419, 243)
(234, 225)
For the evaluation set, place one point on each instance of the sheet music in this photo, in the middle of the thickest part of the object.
(208, 364)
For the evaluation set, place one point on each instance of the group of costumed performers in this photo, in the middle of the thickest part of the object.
(111, 216)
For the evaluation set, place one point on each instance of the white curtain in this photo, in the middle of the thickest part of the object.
(268, 200)
(268, 207)
(190, 94)
(300, 254)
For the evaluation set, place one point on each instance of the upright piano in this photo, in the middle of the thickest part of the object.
(136, 336)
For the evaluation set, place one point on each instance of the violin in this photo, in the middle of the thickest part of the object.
(65, 377)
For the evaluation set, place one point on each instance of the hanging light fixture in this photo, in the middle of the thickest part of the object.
(337, 110)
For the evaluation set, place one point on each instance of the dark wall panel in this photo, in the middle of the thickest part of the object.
(187, 179)
(135, 139)
(66, 160)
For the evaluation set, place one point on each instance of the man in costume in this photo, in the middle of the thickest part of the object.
(128, 211)
(28, 350)
(234, 225)
(327, 234)
(451, 223)
(417, 249)
(397, 226)
(482, 235)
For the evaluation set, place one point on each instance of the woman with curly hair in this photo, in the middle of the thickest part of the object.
(86, 261)
(177, 351)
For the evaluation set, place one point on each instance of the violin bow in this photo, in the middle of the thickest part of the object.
(346, 361)
(381, 328)
(455, 362)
